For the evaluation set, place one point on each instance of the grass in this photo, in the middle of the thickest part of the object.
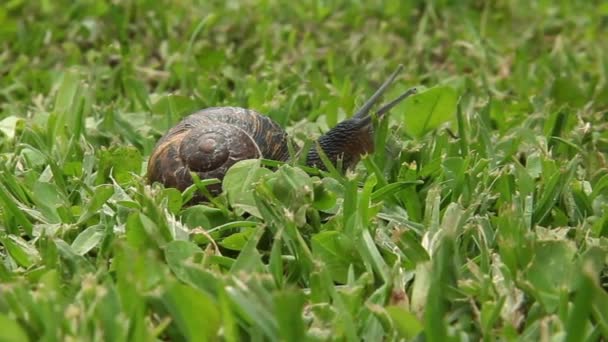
(483, 214)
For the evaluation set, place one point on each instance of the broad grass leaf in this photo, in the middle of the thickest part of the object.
(23, 254)
(71, 103)
(441, 278)
(77, 264)
(600, 309)
(136, 273)
(229, 319)
(407, 324)
(178, 252)
(566, 91)
(365, 209)
(101, 195)
(337, 251)
(324, 198)
(514, 242)
(255, 312)
(443, 274)
(135, 89)
(47, 197)
(326, 194)
(143, 232)
(427, 110)
(11, 330)
(72, 168)
(174, 199)
(349, 206)
(5, 274)
(553, 187)
(600, 187)
(237, 241)
(342, 313)
(180, 256)
(490, 313)
(88, 239)
(67, 92)
(121, 162)
(276, 266)
(233, 225)
(202, 216)
(12, 209)
(50, 282)
(48, 250)
(250, 259)
(293, 187)
(34, 157)
(239, 184)
(391, 189)
(136, 235)
(194, 312)
(373, 319)
(578, 319)
(534, 165)
(289, 306)
(411, 246)
(370, 253)
(550, 271)
(8, 126)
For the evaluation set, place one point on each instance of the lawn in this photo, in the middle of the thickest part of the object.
(482, 213)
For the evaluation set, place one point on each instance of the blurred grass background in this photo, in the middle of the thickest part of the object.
(299, 60)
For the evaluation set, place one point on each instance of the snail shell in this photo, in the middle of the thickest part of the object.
(210, 141)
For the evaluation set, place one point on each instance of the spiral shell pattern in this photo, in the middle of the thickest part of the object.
(210, 141)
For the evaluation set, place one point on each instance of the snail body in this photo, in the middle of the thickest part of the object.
(210, 141)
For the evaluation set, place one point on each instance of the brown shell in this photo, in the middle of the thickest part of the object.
(211, 141)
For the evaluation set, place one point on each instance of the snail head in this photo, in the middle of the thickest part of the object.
(353, 137)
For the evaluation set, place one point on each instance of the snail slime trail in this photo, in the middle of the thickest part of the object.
(211, 140)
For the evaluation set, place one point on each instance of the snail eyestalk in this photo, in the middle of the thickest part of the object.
(362, 112)
(387, 107)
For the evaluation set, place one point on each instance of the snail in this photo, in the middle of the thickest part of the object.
(210, 141)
